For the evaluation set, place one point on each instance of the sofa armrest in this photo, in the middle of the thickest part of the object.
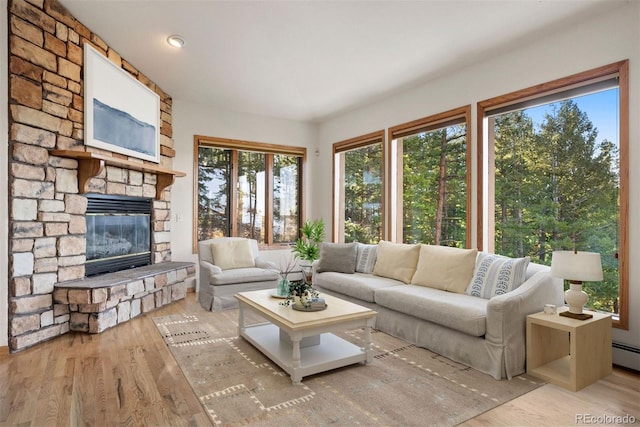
(207, 270)
(507, 314)
(267, 265)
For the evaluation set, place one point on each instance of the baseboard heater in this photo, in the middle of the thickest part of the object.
(626, 356)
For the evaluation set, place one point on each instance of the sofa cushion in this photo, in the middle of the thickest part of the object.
(461, 312)
(359, 285)
(244, 275)
(446, 268)
(496, 275)
(231, 254)
(366, 258)
(338, 257)
(396, 261)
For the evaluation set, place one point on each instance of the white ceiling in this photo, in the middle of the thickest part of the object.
(310, 60)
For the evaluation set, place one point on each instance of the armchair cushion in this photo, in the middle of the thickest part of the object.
(244, 275)
(232, 254)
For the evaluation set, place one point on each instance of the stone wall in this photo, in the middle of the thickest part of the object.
(46, 212)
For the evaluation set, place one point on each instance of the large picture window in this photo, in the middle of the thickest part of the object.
(430, 180)
(247, 189)
(556, 175)
(358, 188)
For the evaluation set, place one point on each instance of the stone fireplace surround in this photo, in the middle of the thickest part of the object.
(48, 294)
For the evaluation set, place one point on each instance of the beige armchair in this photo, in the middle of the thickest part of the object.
(229, 265)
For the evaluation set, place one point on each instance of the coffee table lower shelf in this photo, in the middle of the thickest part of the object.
(332, 352)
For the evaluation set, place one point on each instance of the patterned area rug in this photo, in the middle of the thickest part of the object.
(404, 385)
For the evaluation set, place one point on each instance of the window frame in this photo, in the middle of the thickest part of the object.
(485, 191)
(433, 122)
(269, 150)
(337, 207)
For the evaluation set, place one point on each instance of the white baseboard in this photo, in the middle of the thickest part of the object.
(626, 356)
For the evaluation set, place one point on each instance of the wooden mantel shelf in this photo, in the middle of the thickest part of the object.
(91, 165)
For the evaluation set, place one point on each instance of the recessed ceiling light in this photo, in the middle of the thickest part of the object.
(176, 41)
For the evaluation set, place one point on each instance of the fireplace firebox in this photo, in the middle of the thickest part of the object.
(118, 233)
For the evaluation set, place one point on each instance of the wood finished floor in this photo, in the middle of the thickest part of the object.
(127, 376)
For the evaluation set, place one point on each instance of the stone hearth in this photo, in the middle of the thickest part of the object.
(97, 303)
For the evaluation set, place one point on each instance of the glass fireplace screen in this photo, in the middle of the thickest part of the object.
(115, 235)
(118, 233)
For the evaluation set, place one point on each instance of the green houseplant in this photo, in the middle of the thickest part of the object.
(307, 246)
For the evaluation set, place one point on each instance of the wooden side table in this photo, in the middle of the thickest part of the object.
(568, 352)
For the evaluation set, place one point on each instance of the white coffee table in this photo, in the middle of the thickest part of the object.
(302, 343)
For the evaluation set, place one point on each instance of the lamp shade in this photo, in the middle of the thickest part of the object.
(576, 266)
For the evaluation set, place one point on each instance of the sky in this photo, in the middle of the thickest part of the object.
(602, 108)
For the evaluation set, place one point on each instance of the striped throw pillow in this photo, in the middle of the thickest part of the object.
(366, 258)
(497, 275)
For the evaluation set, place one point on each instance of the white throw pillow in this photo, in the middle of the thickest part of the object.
(446, 268)
(396, 260)
(366, 258)
(496, 275)
(232, 253)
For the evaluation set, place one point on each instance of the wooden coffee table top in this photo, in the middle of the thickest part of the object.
(337, 311)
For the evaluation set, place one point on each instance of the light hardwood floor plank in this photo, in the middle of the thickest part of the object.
(127, 376)
(616, 395)
(124, 376)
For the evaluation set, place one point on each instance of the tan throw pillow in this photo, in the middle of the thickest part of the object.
(397, 261)
(446, 268)
(232, 253)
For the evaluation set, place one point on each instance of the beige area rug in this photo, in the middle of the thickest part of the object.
(404, 385)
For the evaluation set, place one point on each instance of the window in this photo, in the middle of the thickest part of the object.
(247, 189)
(286, 198)
(557, 176)
(358, 188)
(430, 179)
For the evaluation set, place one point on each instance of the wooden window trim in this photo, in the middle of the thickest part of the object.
(425, 124)
(235, 145)
(261, 147)
(621, 69)
(361, 141)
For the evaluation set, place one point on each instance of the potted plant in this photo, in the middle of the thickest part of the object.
(307, 246)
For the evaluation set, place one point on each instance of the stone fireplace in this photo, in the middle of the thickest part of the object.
(55, 181)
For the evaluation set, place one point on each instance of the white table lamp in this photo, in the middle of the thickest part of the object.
(576, 267)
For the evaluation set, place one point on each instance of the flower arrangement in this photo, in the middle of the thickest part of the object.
(300, 293)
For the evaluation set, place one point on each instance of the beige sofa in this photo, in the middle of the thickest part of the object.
(484, 332)
(237, 267)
